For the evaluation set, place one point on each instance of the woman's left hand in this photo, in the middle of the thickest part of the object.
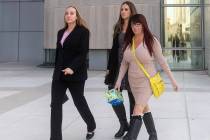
(68, 71)
(175, 86)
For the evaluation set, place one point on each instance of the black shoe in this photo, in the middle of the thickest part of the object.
(122, 130)
(135, 126)
(121, 114)
(89, 135)
(150, 126)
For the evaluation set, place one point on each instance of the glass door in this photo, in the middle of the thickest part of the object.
(182, 34)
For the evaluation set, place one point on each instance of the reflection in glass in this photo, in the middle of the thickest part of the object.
(182, 27)
(206, 1)
(182, 1)
(187, 59)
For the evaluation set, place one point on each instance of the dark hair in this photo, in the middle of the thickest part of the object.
(120, 22)
(80, 21)
(148, 36)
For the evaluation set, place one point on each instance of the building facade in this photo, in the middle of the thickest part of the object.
(101, 16)
(182, 26)
(21, 31)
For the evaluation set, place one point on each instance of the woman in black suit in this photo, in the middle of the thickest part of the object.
(71, 72)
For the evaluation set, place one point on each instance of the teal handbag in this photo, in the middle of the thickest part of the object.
(114, 97)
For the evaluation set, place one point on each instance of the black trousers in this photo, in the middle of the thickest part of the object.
(58, 90)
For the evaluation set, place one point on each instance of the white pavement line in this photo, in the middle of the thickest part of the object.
(72, 122)
(186, 108)
(187, 116)
(6, 93)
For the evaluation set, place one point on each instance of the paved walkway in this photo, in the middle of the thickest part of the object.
(25, 111)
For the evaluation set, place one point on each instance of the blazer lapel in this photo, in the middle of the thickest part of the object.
(60, 36)
(69, 36)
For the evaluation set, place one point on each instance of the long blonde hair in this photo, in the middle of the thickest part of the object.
(80, 21)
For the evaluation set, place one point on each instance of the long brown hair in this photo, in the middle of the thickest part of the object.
(148, 36)
(80, 21)
(118, 26)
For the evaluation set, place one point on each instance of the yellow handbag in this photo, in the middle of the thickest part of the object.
(156, 82)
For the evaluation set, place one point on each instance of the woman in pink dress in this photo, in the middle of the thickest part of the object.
(148, 50)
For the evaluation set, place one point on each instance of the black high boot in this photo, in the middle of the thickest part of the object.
(120, 112)
(135, 126)
(132, 102)
(150, 126)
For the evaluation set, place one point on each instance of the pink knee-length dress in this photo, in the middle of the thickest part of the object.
(139, 83)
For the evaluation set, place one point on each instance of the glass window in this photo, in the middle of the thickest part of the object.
(182, 27)
(207, 1)
(184, 59)
(182, 1)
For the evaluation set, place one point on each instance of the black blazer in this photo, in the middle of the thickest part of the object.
(113, 65)
(72, 55)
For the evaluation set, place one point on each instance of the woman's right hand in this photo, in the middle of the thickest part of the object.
(117, 85)
(68, 71)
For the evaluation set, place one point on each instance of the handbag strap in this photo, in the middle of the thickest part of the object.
(137, 61)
